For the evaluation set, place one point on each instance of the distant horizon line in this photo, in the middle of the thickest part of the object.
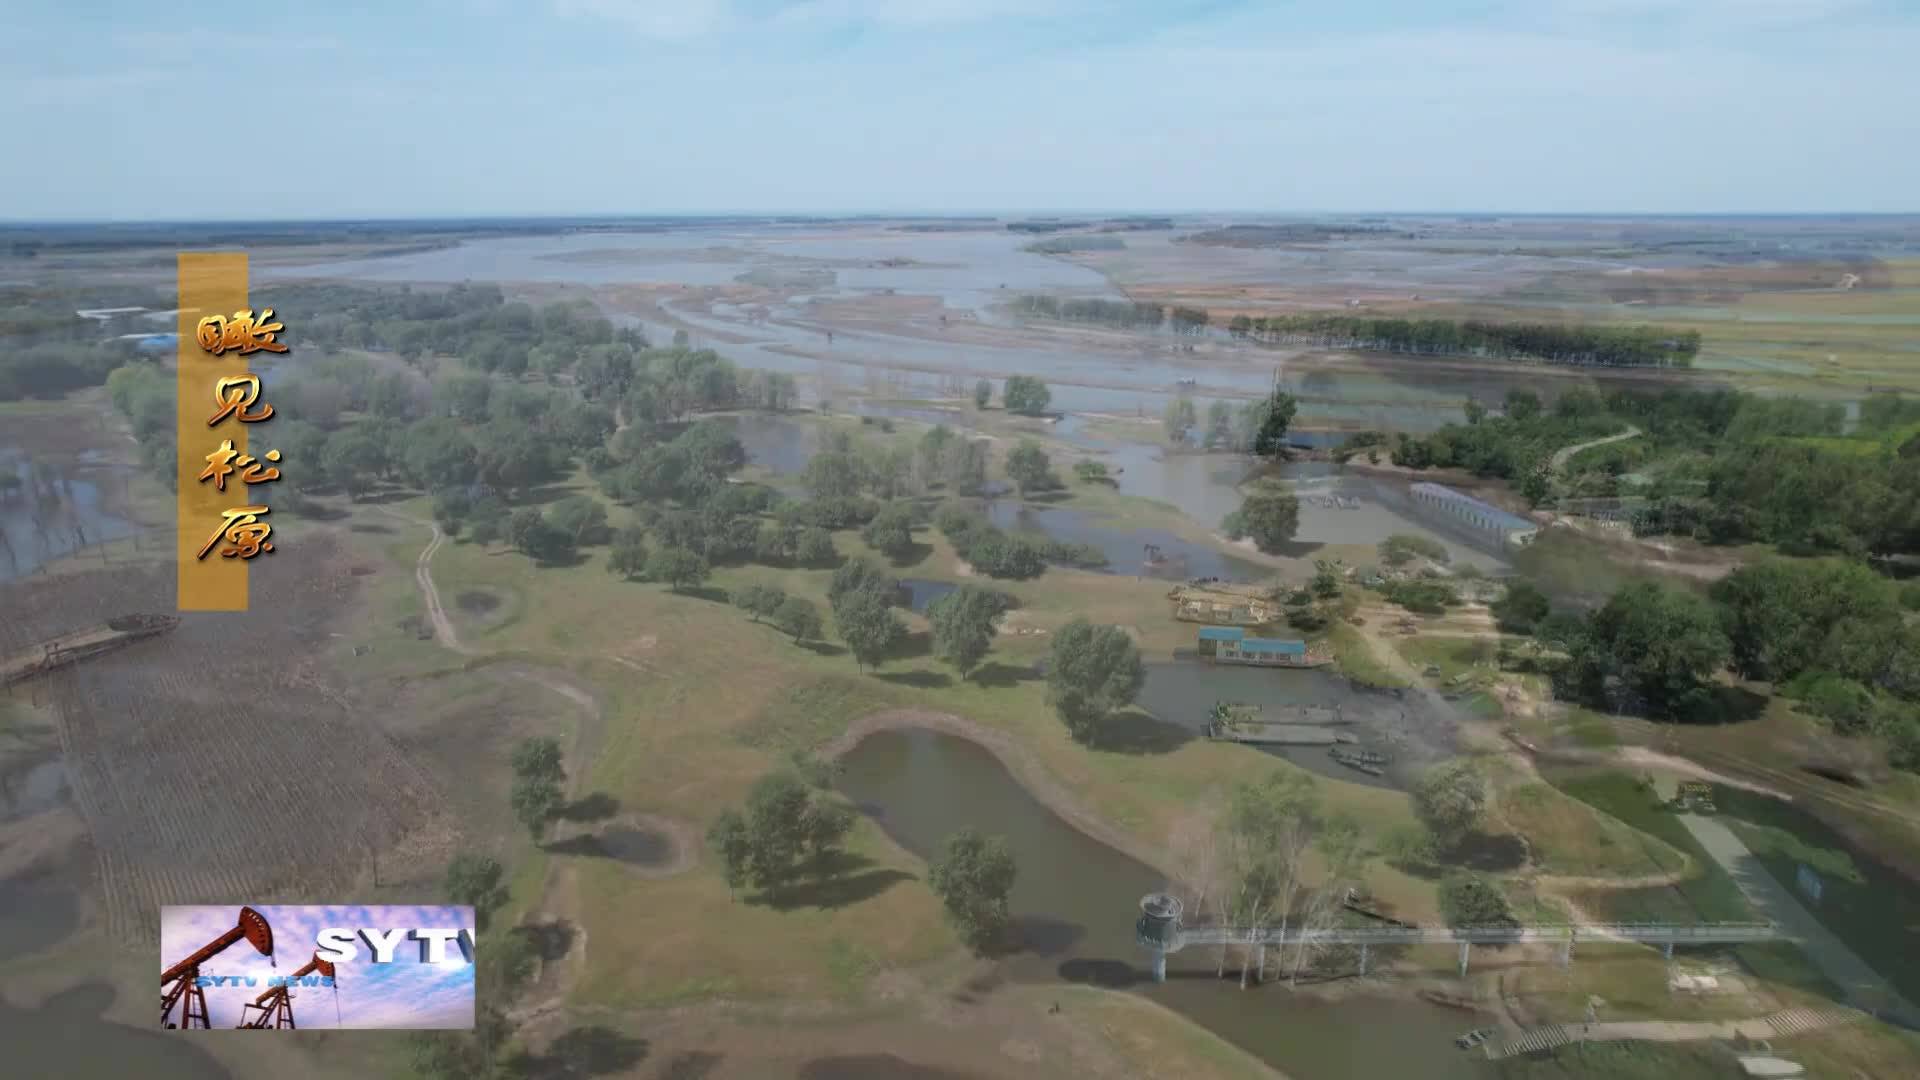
(944, 215)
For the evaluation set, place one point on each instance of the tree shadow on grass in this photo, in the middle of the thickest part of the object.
(598, 806)
(550, 940)
(1728, 705)
(822, 648)
(314, 510)
(1493, 854)
(919, 680)
(379, 498)
(583, 1052)
(543, 494)
(913, 556)
(912, 645)
(1000, 676)
(1050, 498)
(571, 558)
(703, 592)
(1135, 732)
(848, 879)
(692, 1065)
(373, 527)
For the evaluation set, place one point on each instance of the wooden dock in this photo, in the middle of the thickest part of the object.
(78, 645)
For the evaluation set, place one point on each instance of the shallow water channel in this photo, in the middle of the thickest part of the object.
(48, 511)
(1075, 903)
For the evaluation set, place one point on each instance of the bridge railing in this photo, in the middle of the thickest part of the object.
(1173, 939)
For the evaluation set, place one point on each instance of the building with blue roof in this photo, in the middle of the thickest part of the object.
(1508, 529)
(1231, 645)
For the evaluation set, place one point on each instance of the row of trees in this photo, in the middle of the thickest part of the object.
(1834, 634)
(1247, 860)
(1614, 346)
(1735, 468)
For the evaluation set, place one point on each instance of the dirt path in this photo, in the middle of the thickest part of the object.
(1565, 453)
(443, 631)
(1772, 900)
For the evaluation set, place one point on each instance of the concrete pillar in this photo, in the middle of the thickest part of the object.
(1363, 958)
(1159, 965)
(1668, 949)
(1465, 947)
(1260, 963)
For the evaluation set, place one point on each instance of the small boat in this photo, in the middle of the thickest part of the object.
(1371, 762)
(1473, 1038)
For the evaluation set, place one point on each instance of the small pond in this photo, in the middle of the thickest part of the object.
(1075, 902)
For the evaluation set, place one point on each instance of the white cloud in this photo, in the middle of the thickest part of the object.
(686, 19)
(1720, 12)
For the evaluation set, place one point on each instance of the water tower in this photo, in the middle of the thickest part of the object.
(1159, 929)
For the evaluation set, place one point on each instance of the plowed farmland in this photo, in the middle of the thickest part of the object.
(221, 763)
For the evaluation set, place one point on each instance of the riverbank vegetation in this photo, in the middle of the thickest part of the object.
(1721, 466)
(1608, 346)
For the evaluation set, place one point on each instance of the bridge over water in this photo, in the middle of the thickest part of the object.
(1161, 931)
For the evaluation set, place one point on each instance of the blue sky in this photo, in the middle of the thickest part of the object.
(403, 994)
(115, 109)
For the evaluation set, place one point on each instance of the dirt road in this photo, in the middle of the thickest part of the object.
(1772, 900)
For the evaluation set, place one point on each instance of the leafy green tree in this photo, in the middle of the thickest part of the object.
(963, 626)
(891, 530)
(1029, 468)
(868, 625)
(860, 576)
(438, 455)
(1328, 580)
(824, 827)
(628, 558)
(1450, 799)
(1648, 648)
(1470, 899)
(1402, 548)
(1091, 472)
(974, 876)
(1265, 423)
(1026, 395)
(732, 841)
(476, 881)
(582, 517)
(1787, 617)
(1521, 608)
(354, 460)
(982, 394)
(1522, 405)
(835, 475)
(966, 466)
(814, 547)
(535, 802)
(1180, 419)
(797, 616)
(538, 758)
(760, 601)
(1094, 671)
(1269, 517)
(776, 828)
(679, 568)
(1219, 425)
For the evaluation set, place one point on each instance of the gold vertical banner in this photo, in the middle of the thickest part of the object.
(210, 284)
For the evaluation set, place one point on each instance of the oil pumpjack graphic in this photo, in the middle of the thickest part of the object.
(275, 1007)
(180, 983)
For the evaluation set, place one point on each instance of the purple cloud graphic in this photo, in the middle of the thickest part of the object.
(405, 993)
